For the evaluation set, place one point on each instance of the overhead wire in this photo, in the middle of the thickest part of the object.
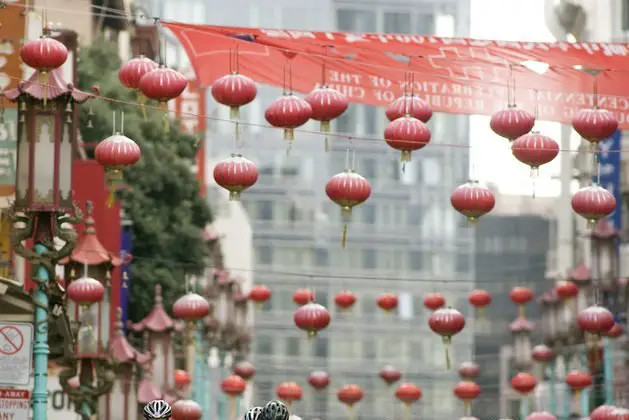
(347, 136)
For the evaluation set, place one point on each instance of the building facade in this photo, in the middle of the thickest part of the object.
(512, 245)
(406, 239)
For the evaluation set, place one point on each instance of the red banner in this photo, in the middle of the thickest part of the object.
(189, 107)
(455, 75)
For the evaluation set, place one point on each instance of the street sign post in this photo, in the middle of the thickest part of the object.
(15, 404)
(16, 339)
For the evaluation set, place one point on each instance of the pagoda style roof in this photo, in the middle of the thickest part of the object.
(147, 389)
(119, 348)
(89, 250)
(157, 320)
(521, 324)
(604, 229)
(51, 88)
(580, 274)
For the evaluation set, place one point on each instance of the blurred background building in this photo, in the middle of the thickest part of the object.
(512, 245)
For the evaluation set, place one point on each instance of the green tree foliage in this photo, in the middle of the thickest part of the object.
(163, 200)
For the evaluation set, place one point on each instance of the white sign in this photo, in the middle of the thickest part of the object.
(59, 405)
(16, 339)
(15, 404)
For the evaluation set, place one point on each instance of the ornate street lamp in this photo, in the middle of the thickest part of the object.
(47, 129)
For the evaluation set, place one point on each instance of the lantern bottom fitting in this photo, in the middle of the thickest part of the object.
(234, 113)
(405, 156)
(234, 196)
(346, 211)
(289, 134)
(325, 127)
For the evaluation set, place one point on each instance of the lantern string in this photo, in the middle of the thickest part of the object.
(509, 102)
(113, 123)
(536, 104)
(237, 58)
(353, 167)
(595, 92)
(122, 122)
(598, 172)
(347, 159)
(324, 65)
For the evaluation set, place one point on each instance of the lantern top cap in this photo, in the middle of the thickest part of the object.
(89, 250)
(55, 88)
(119, 348)
(521, 324)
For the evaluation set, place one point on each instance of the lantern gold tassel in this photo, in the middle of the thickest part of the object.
(325, 128)
(407, 412)
(232, 409)
(351, 412)
(111, 198)
(446, 344)
(289, 134)
(166, 124)
(43, 80)
(344, 239)
(142, 101)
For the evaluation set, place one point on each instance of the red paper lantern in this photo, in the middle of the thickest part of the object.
(186, 410)
(327, 104)
(387, 301)
(85, 291)
(245, 369)
(319, 380)
(566, 289)
(467, 391)
(479, 298)
(616, 331)
(259, 294)
(534, 150)
(434, 301)
(446, 322)
(578, 380)
(407, 134)
(44, 54)
(234, 90)
(603, 412)
(390, 375)
(540, 415)
(163, 84)
(595, 320)
(408, 393)
(289, 392)
(469, 370)
(473, 200)
(303, 296)
(595, 124)
(235, 174)
(409, 104)
(288, 112)
(512, 122)
(350, 395)
(312, 318)
(182, 378)
(131, 72)
(115, 153)
(191, 307)
(523, 382)
(348, 190)
(345, 300)
(543, 354)
(521, 295)
(593, 203)
(233, 385)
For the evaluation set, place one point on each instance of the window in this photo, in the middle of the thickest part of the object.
(368, 214)
(624, 7)
(346, 123)
(264, 344)
(265, 210)
(397, 22)
(321, 258)
(321, 347)
(284, 299)
(264, 255)
(369, 169)
(425, 24)
(368, 259)
(431, 172)
(406, 309)
(292, 346)
(390, 349)
(368, 305)
(416, 261)
(354, 20)
(371, 116)
(369, 348)
(414, 350)
(463, 262)
(321, 297)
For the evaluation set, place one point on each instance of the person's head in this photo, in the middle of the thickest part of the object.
(157, 410)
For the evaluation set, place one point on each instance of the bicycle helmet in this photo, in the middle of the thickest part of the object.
(275, 410)
(157, 409)
(253, 413)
